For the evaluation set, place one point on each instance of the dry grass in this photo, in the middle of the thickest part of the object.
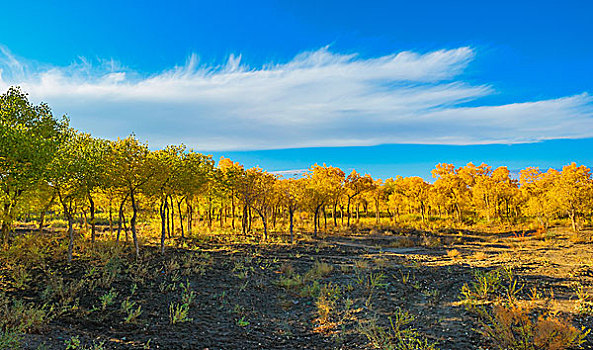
(453, 254)
(403, 242)
(513, 326)
(479, 256)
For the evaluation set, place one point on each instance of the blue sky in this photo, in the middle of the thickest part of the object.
(285, 84)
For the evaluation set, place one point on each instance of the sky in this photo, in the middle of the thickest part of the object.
(384, 87)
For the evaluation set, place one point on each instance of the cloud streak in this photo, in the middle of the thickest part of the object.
(319, 98)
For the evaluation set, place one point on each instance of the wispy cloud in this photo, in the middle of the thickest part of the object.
(319, 98)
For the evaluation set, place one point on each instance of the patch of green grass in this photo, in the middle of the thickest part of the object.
(74, 343)
(178, 313)
(10, 340)
(22, 317)
(108, 299)
(399, 335)
(131, 313)
(242, 322)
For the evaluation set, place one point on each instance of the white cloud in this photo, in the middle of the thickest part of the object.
(319, 98)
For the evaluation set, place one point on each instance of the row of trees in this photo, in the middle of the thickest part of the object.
(45, 165)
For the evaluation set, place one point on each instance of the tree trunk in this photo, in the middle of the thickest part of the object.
(315, 222)
(377, 212)
(70, 217)
(572, 216)
(348, 210)
(83, 221)
(264, 223)
(167, 218)
(199, 218)
(163, 213)
(126, 228)
(232, 211)
(334, 212)
(487, 201)
(244, 219)
(121, 219)
(209, 213)
(249, 219)
(190, 216)
(291, 216)
(324, 220)
(172, 216)
(180, 217)
(92, 217)
(133, 223)
(422, 211)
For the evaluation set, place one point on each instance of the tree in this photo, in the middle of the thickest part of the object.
(93, 171)
(68, 171)
(483, 194)
(176, 173)
(394, 197)
(320, 185)
(245, 190)
(129, 171)
(29, 136)
(263, 194)
(379, 195)
(291, 196)
(416, 192)
(571, 190)
(535, 186)
(165, 165)
(452, 187)
(505, 193)
(230, 172)
(356, 185)
(196, 172)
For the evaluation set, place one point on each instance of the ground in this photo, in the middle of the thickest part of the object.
(326, 293)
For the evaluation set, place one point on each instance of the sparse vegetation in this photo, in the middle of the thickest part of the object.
(399, 335)
(130, 311)
(10, 340)
(178, 313)
(512, 326)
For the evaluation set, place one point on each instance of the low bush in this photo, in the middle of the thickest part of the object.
(514, 327)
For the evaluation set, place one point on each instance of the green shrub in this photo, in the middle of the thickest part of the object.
(22, 317)
(178, 313)
(397, 336)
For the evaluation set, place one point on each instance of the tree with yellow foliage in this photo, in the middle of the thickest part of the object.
(571, 191)
(130, 171)
(321, 184)
(229, 173)
(264, 186)
(355, 186)
(416, 192)
(291, 193)
(450, 188)
(535, 186)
